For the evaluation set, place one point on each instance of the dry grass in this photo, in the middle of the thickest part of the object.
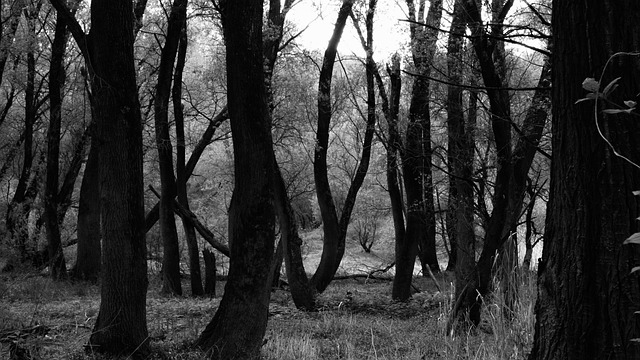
(357, 321)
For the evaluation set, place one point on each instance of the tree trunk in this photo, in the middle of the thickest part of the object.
(209, 273)
(416, 161)
(57, 74)
(171, 251)
(121, 327)
(87, 265)
(237, 329)
(455, 124)
(587, 297)
(181, 183)
(333, 239)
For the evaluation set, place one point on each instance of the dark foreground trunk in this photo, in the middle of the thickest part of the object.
(587, 297)
(237, 329)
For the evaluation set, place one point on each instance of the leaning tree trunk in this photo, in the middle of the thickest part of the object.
(237, 329)
(587, 297)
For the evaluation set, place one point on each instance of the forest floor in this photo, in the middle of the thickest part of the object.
(356, 318)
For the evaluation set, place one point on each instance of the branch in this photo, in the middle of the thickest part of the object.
(475, 87)
(76, 30)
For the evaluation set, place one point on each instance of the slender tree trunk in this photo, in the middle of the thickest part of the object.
(416, 161)
(455, 124)
(171, 251)
(181, 183)
(51, 201)
(333, 241)
(210, 273)
(587, 296)
(237, 329)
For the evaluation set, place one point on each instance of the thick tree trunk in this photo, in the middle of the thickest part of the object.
(87, 265)
(587, 297)
(181, 181)
(121, 326)
(237, 329)
(171, 251)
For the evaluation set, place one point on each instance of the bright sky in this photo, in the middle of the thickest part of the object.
(389, 34)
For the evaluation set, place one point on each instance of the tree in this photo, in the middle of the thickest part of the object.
(335, 229)
(587, 295)
(51, 202)
(121, 326)
(171, 251)
(237, 329)
(419, 237)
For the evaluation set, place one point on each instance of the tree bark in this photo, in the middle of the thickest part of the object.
(57, 74)
(416, 161)
(455, 125)
(121, 327)
(587, 296)
(171, 251)
(237, 329)
(210, 273)
(89, 251)
(181, 183)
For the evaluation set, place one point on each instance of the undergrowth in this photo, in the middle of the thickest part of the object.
(357, 320)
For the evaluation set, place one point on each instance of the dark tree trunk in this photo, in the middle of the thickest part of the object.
(587, 297)
(171, 251)
(57, 74)
(181, 182)
(87, 265)
(237, 329)
(416, 162)
(121, 326)
(209, 273)
(333, 240)
(289, 247)
(455, 125)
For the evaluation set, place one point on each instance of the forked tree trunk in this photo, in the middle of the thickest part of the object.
(237, 329)
(587, 296)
